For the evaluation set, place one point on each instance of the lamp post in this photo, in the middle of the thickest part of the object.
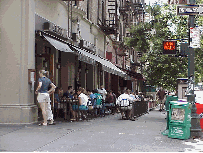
(195, 130)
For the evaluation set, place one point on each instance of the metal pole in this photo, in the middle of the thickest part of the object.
(68, 21)
(71, 21)
(195, 130)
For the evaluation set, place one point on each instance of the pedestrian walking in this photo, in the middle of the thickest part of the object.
(161, 96)
(43, 97)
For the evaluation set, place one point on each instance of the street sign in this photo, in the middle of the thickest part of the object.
(190, 10)
(178, 2)
(195, 37)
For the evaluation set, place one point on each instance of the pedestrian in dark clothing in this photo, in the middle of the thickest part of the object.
(161, 96)
(67, 94)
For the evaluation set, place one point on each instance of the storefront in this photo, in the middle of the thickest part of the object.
(53, 54)
(41, 40)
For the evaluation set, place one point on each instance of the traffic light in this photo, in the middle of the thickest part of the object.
(169, 46)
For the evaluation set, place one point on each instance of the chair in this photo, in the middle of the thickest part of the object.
(124, 107)
(61, 105)
(94, 104)
(100, 109)
(75, 102)
(110, 107)
(69, 107)
(83, 113)
(91, 109)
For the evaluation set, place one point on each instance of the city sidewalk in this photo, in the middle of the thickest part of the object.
(107, 134)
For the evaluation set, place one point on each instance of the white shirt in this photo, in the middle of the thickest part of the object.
(133, 96)
(103, 93)
(84, 99)
(124, 100)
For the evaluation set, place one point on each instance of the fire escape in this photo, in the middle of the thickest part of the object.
(109, 21)
(131, 11)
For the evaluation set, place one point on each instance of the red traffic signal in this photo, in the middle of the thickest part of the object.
(169, 47)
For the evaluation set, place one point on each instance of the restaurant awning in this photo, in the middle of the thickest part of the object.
(133, 74)
(106, 65)
(58, 45)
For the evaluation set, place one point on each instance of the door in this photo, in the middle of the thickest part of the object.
(44, 59)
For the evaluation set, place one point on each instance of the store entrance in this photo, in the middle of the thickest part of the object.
(44, 60)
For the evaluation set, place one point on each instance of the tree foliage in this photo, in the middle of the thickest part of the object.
(159, 69)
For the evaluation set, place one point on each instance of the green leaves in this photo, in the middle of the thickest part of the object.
(161, 70)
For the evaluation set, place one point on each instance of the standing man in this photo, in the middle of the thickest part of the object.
(103, 92)
(161, 96)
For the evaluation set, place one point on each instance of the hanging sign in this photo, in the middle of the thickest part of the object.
(195, 37)
(55, 30)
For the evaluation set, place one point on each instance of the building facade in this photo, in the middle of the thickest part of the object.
(79, 42)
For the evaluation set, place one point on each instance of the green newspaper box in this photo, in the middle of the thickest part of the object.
(168, 99)
(179, 120)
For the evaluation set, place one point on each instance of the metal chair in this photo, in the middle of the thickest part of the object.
(124, 107)
(75, 102)
(61, 105)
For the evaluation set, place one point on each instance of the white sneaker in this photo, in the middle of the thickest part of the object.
(52, 121)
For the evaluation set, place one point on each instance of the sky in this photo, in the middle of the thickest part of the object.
(153, 1)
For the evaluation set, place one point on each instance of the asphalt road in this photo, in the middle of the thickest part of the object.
(107, 134)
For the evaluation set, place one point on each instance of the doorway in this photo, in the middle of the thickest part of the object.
(44, 59)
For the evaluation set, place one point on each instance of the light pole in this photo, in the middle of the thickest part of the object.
(195, 129)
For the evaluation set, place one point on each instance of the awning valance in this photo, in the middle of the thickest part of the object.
(106, 65)
(58, 45)
(85, 56)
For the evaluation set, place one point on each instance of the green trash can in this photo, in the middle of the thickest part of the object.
(168, 99)
(179, 131)
(167, 103)
(179, 120)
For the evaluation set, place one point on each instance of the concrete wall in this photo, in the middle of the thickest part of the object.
(16, 57)
(53, 11)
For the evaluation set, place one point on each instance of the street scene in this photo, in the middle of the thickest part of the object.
(101, 76)
(107, 134)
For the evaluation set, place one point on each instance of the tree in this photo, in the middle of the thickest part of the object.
(160, 70)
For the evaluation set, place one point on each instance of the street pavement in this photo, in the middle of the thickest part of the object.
(106, 134)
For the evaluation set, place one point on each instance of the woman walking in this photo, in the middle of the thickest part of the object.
(43, 97)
